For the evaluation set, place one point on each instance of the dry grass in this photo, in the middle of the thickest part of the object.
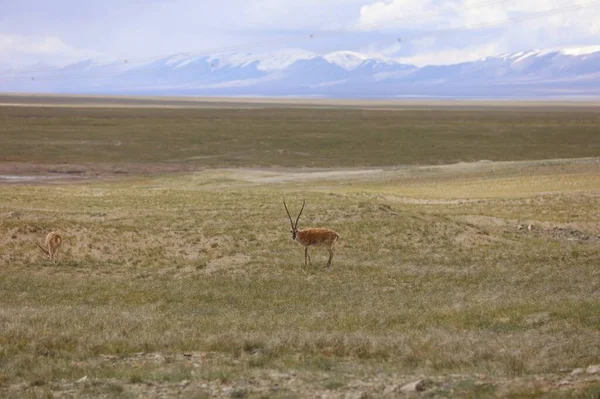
(431, 278)
(189, 283)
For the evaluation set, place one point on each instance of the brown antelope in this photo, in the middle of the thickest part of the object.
(53, 241)
(315, 237)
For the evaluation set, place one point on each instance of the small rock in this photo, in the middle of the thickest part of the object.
(577, 371)
(593, 369)
(531, 227)
(82, 379)
(184, 383)
(521, 227)
(391, 389)
(415, 386)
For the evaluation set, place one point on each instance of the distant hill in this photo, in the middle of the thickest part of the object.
(536, 73)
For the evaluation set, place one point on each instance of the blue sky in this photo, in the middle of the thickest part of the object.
(63, 31)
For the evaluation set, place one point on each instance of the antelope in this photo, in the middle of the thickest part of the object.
(315, 237)
(53, 241)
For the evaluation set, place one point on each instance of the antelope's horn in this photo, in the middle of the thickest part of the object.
(298, 218)
(44, 250)
(288, 212)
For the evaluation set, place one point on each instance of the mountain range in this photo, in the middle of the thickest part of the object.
(535, 73)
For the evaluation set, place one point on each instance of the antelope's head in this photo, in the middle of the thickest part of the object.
(44, 250)
(294, 230)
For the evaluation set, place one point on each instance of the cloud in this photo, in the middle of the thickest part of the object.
(391, 14)
(462, 30)
(432, 15)
(451, 55)
(67, 30)
(16, 50)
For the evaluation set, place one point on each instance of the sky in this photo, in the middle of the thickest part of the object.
(419, 32)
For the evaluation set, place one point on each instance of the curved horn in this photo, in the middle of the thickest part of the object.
(288, 212)
(298, 218)
(44, 250)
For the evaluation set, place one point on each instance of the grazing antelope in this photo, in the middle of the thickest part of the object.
(53, 241)
(315, 237)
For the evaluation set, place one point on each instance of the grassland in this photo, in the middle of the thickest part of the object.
(197, 138)
(189, 284)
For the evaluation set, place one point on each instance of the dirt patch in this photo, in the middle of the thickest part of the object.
(426, 201)
(40, 173)
(39, 179)
(292, 175)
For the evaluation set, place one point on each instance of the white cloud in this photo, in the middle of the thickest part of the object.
(37, 31)
(432, 15)
(581, 50)
(451, 55)
(390, 14)
(463, 30)
(385, 51)
(16, 50)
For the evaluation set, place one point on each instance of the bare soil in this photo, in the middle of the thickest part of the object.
(46, 173)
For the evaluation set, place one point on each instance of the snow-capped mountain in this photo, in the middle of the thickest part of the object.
(574, 71)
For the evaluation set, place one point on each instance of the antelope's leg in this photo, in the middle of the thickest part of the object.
(305, 255)
(330, 256)
(308, 253)
(56, 255)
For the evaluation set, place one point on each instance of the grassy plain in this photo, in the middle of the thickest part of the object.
(189, 284)
(266, 137)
